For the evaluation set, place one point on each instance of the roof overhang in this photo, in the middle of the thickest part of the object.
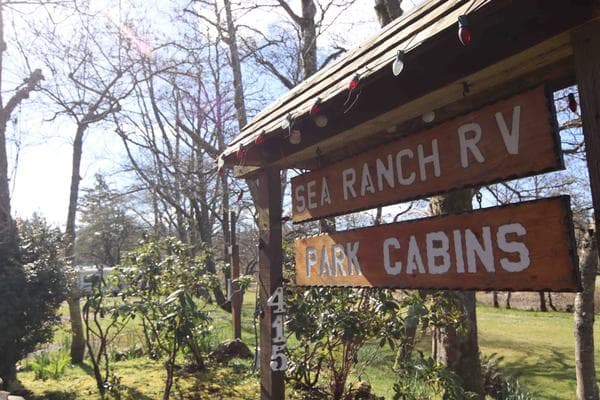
(516, 45)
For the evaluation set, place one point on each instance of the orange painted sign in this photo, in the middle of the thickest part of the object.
(526, 246)
(509, 139)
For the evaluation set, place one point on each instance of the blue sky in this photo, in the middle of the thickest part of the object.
(42, 179)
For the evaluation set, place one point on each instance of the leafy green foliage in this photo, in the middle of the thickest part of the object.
(160, 282)
(106, 230)
(497, 384)
(47, 365)
(32, 283)
(41, 256)
(332, 325)
(100, 332)
(422, 379)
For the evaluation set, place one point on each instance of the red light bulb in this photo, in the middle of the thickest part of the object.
(464, 32)
(314, 110)
(353, 85)
(260, 138)
(239, 153)
(572, 102)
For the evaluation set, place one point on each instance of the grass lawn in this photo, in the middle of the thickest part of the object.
(536, 347)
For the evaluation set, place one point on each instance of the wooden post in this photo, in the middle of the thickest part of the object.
(269, 276)
(586, 42)
(236, 295)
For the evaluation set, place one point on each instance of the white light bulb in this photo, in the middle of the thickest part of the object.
(428, 116)
(398, 64)
(321, 121)
(397, 67)
(295, 137)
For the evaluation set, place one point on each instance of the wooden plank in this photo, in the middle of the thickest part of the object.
(550, 17)
(269, 277)
(525, 246)
(498, 75)
(586, 43)
(236, 296)
(512, 138)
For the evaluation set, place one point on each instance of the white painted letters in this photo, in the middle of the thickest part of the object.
(511, 139)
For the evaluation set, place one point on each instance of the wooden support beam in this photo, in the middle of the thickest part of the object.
(586, 42)
(269, 206)
(548, 61)
(236, 296)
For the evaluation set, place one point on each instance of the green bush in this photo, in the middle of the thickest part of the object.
(421, 378)
(47, 365)
(32, 283)
(499, 386)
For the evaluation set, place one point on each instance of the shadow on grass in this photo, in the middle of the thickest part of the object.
(220, 383)
(548, 365)
(53, 395)
(133, 393)
(87, 368)
(18, 389)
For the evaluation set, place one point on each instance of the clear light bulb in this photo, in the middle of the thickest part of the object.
(398, 64)
(428, 116)
(295, 137)
(321, 121)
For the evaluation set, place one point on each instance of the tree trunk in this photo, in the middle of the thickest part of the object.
(77, 334)
(205, 230)
(8, 233)
(587, 388)
(238, 89)
(495, 299)
(459, 350)
(552, 307)
(387, 11)
(309, 38)
(543, 301)
(410, 333)
(236, 68)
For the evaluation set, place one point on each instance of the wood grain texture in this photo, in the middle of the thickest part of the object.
(541, 256)
(400, 170)
(272, 385)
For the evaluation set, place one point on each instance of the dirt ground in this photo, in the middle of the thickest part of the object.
(531, 300)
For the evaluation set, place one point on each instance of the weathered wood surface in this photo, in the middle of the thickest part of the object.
(270, 266)
(512, 138)
(526, 246)
(236, 295)
(586, 43)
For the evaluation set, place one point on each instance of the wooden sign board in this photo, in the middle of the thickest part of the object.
(526, 246)
(509, 139)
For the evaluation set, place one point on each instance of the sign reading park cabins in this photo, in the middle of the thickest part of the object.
(526, 246)
(512, 138)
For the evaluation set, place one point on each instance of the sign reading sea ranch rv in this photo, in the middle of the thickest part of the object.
(527, 246)
(512, 138)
